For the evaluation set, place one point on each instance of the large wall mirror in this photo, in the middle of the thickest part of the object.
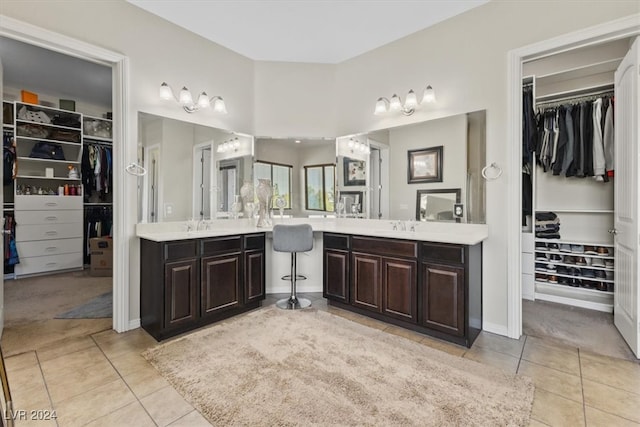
(194, 171)
(449, 154)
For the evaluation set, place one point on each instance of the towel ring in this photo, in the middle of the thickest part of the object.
(135, 170)
(493, 176)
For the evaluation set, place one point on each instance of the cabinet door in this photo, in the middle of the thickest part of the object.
(365, 281)
(220, 284)
(443, 298)
(336, 275)
(253, 276)
(399, 289)
(180, 293)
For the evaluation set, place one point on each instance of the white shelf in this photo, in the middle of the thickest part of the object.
(574, 242)
(51, 125)
(599, 305)
(97, 138)
(47, 177)
(570, 276)
(56, 141)
(35, 159)
(575, 265)
(8, 126)
(572, 254)
(575, 290)
(86, 116)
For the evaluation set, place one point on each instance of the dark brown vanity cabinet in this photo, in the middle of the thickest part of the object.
(383, 279)
(336, 266)
(189, 283)
(434, 288)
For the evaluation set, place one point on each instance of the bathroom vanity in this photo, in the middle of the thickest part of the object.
(429, 280)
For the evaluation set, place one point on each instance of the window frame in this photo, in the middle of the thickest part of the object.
(322, 168)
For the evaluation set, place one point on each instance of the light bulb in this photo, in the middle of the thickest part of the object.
(165, 91)
(381, 106)
(350, 144)
(203, 100)
(411, 101)
(219, 106)
(429, 95)
(395, 104)
(185, 97)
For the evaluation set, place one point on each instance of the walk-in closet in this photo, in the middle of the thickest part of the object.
(58, 179)
(569, 181)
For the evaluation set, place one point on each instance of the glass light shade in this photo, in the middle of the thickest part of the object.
(218, 106)
(429, 95)
(203, 100)
(185, 97)
(395, 104)
(411, 101)
(165, 92)
(236, 143)
(381, 106)
(350, 144)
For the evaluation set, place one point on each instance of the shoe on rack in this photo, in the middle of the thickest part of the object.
(541, 257)
(563, 281)
(575, 283)
(610, 287)
(542, 246)
(551, 268)
(586, 272)
(541, 277)
(574, 271)
(565, 247)
(568, 259)
(541, 267)
(561, 269)
(600, 274)
(577, 249)
(589, 284)
(553, 247)
(608, 275)
(590, 250)
(555, 258)
(553, 279)
(602, 286)
(597, 262)
(602, 251)
(581, 261)
(608, 263)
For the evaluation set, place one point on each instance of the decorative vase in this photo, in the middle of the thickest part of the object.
(236, 207)
(263, 192)
(247, 194)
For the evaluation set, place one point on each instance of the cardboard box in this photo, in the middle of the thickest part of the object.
(29, 97)
(101, 256)
(67, 104)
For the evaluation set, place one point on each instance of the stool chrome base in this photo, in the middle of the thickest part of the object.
(293, 303)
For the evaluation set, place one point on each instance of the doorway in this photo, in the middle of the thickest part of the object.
(616, 30)
(122, 220)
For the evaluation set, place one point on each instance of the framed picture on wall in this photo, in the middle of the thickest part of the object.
(424, 165)
(354, 171)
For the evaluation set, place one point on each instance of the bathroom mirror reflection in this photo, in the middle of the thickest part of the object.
(438, 205)
(192, 174)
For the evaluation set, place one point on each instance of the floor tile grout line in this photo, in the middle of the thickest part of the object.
(584, 404)
(125, 383)
(46, 387)
(612, 413)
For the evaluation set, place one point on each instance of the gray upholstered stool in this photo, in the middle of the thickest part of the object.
(293, 239)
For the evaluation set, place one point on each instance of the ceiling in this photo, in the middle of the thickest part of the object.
(38, 70)
(313, 31)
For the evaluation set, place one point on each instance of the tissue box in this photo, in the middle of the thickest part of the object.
(48, 172)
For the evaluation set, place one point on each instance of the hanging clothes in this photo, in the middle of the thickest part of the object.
(529, 126)
(98, 222)
(97, 165)
(11, 257)
(607, 139)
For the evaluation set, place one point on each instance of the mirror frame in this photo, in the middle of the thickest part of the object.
(420, 193)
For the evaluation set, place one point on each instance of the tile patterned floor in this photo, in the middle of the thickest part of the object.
(100, 379)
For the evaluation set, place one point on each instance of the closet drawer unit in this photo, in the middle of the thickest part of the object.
(42, 264)
(26, 233)
(49, 247)
(49, 217)
(45, 203)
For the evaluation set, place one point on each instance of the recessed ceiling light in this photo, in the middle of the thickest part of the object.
(297, 141)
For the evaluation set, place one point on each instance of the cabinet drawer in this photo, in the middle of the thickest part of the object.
(49, 217)
(41, 264)
(388, 247)
(180, 250)
(43, 203)
(252, 242)
(443, 252)
(336, 241)
(49, 247)
(26, 233)
(221, 245)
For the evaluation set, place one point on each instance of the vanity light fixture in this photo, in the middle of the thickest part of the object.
(231, 145)
(185, 99)
(355, 145)
(384, 105)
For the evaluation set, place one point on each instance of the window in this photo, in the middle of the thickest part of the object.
(319, 187)
(280, 177)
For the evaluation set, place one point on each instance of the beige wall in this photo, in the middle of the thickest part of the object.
(464, 58)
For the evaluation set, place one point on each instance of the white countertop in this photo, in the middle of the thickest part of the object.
(464, 234)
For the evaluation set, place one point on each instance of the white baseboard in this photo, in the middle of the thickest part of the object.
(134, 324)
(495, 328)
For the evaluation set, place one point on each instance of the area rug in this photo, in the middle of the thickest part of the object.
(274, 367)
(99, 307)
